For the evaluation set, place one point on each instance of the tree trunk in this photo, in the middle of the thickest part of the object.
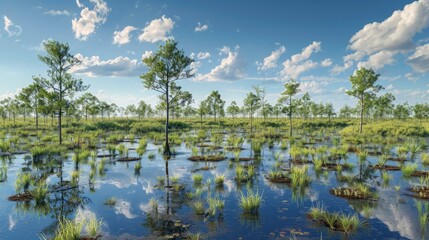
(361, 116)
(37, 117)
(167, 175)
(251, 123)
(290, 116)
(60, 114)
(59, 126)
(167, 152)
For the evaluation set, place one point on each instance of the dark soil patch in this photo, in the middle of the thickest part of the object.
(300, 161)
(386, 167)
(420, 174)
(21, 197)
(279, 180)
(209, 146)
(243, 159)
(19, 152)
(397, 159)
(209, 158)
(128, 159)
(233, 148)
(106, 155)
(203, 169)
(333, 166)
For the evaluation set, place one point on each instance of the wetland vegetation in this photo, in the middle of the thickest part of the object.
(295, 170)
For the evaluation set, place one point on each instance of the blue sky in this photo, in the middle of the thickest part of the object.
(235, 45)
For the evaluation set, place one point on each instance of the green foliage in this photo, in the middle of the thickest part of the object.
(22, 182)
(110, 201)
(40, 192)
(219, 179)
(250, 202)
(199, 208)
(93, 227)
(137, 167)
(408, 169)
(364, 88)
(198, 178)
(67, 229)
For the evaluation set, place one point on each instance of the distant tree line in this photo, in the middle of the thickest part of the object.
(56, 95)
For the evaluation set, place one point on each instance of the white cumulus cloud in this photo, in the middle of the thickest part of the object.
(147, 54)
(271, 60)
(57, 12)
(380, 42)
(11, 28)
(89, 19)
(326, 63)
(157, 30)
(395, 33)
(378, 60)
(116, 67)
(231, 67)
(123, 37)
(299, 63)
(203, 55)
(201, 28)
(419, 60)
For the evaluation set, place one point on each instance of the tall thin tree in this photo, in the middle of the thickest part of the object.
(59, 80)
(364, 88)
(165, 68)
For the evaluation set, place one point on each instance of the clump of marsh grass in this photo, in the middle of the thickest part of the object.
(242, 174)
(22, 182)
(299, 176)
(3, 172)
(413, 148)
(175, 179)
(110, 201)
(219, 179)
(198, 178)
(154, 204)
(101, 167)
(40, 192)
(257, 147)
(67, 229)
(346, 223)
(199, 207)
(93, 227)
(194, 151)
(137, 167)
(92, 174)
(408, 169)
(425, 159)
(250, 202)
(151, 156)
(195, 236)
(382, 160)
(386, 177)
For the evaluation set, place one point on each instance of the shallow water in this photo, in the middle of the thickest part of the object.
(394, 215)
